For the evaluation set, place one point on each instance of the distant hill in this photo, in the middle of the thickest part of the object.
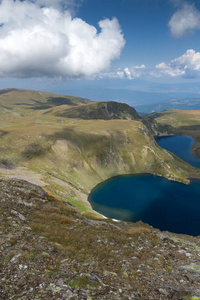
(185, 104)
(35, 100)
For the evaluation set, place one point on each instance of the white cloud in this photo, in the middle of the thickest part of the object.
(185, 19)
(187, 66)
(164, 69)
(135, 71)
(39, 41)
(128, 72)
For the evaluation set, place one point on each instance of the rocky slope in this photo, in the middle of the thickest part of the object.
(156, 128)
(50, 251)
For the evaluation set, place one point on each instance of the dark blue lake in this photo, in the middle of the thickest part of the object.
(181, 146)
(154, 200)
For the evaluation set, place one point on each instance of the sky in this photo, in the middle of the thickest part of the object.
(134, 51)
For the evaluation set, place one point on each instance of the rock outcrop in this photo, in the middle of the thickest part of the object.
(156, 128)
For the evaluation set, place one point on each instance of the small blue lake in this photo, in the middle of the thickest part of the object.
(154, 200)
(181, 146)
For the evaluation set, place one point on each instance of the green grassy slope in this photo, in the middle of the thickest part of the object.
(178, 118)
(74, 155)
(19, 100)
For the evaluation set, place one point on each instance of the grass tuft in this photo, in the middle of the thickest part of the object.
(34, 150)
(138, 231)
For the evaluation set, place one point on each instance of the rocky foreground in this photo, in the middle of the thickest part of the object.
(50, 251)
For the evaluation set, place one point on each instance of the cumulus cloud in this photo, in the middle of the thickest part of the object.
(128, 72)
(164, 69)
(185, 19)
(135, 71)
(187, 66)
(188, 63)
(36, 40)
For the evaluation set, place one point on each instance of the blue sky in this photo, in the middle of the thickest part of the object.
(135, 51)
(143, 23)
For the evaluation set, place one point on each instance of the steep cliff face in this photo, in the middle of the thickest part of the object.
(156, 128)
(101, 110)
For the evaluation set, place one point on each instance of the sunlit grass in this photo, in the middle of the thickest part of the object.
(179, 118)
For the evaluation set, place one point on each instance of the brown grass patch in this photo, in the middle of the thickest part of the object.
(138, 230)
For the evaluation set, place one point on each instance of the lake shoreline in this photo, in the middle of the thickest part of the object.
(146, 190)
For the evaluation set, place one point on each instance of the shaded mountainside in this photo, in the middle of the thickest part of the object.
(50, 251)
(156, 128)
(101, 110)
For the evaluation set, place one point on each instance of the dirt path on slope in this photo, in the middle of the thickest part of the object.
(22, 173)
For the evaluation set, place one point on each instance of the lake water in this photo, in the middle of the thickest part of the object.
(154, 200)
(181, 146)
